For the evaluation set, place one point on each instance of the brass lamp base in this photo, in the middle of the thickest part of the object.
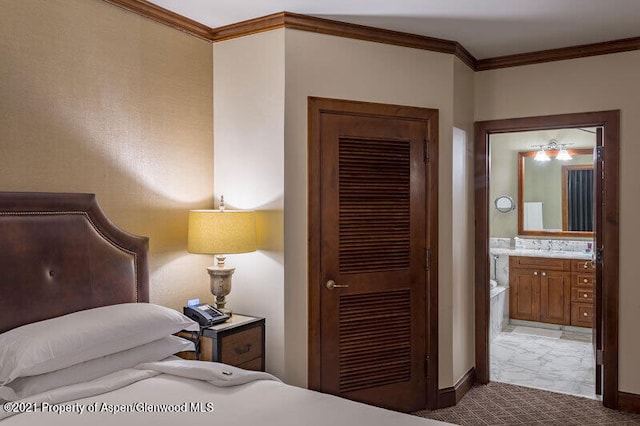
(220, 280)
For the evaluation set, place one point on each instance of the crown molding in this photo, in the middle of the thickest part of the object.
(251, 26)
(573, 52)
(341, 29)
(363, 32)
(465, 56)
(164, 16)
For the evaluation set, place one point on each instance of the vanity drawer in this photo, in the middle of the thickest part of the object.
(578, 265)
(542, 263)
(581, 294)
(585, 280)
(582, 314)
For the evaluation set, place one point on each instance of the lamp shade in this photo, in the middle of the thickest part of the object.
(221, 232)
(541, 156)
(563, 155)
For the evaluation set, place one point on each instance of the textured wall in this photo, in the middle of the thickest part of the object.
(97, 99)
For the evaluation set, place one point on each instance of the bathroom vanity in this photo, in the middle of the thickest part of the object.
(551, 290)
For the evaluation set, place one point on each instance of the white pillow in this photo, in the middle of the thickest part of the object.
(57, 343)
(24, 387)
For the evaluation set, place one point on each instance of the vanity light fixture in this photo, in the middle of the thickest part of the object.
(562, 154)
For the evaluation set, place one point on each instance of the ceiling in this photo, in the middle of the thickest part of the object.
(486, 28)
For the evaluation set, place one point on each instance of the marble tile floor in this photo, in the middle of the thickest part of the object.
(563, 363)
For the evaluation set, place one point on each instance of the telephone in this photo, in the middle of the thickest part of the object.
(205, 315)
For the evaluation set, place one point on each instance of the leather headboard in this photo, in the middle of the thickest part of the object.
(59, 254)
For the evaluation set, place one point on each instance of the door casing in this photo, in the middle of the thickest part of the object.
(315, 107)
(610, 121)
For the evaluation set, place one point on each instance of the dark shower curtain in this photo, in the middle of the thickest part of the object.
(580, 194)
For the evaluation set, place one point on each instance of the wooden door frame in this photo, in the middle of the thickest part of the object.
(316, 106)
(610, 120)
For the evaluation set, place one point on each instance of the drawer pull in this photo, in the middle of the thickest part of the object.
(544, 274)
(243, 349)
(585, 295)
(535, 273)
(585, 314)
(585, 280)
(586, 265)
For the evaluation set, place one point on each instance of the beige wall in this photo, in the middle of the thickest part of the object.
(587, 84)
(248, 78)
(504, 181)
(462, 224)
(96, 99)
(334, 67)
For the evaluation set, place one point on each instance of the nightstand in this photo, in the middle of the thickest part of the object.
(238, 342)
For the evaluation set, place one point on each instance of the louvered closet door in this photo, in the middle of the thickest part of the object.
(373, 232)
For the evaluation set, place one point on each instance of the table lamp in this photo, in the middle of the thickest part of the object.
(221, 232)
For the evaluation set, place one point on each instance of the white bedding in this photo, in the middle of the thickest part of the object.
(200, 391)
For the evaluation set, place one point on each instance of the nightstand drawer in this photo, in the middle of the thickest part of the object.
(255, 365)
(238, 342)
(241, 347)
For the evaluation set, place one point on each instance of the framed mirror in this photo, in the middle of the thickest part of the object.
(555, 198)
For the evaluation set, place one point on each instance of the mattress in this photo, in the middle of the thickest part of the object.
(168, 393)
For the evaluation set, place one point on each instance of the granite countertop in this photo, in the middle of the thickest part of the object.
(541, 253)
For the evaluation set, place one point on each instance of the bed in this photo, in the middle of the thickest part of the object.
(80, 344)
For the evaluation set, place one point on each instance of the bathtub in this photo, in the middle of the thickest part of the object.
(499, 310)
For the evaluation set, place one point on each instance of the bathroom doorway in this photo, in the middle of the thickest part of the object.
(539, 295)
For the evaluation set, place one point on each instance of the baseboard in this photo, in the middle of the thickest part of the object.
(629, 402)
(450, 396)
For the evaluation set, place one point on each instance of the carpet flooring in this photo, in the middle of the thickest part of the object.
(505, 404)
